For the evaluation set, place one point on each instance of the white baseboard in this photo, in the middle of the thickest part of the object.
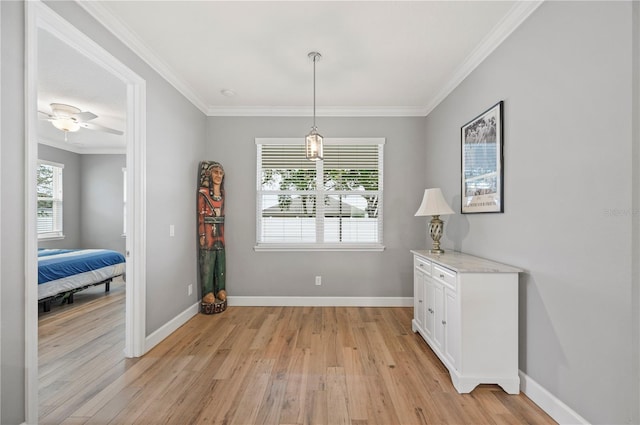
(555, 408)
(156, 337)
(241, 301)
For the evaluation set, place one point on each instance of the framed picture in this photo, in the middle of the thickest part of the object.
(482, 174)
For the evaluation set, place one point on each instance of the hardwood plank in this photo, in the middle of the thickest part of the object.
(259, 365)
(337, 411)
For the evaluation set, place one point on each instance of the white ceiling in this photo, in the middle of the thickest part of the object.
(66, 76)
(379, 58)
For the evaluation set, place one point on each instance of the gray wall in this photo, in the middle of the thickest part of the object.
(101, 213)
(565, 76)
(12, 215)
(361, 274)
(92, 193)
(566, 79)
(176, 133)
(70, 195)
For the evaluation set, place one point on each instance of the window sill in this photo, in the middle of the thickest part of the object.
(57, 237)
(279, 247)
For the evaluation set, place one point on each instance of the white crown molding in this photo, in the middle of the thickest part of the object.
(82, 149)
(122, 32)
(518, 14)
(293, 111)
(512, 20)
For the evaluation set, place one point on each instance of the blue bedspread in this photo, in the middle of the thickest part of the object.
(56, 264)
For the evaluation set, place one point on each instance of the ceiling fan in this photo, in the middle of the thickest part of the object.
(68, 118)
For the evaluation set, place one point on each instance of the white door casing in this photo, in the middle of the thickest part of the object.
(41, 17)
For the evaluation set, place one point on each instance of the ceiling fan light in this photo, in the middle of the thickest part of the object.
(65, 124)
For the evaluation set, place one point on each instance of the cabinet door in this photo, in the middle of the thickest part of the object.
(438, 315)
(419, 310)
(430, 307)
(452, 328)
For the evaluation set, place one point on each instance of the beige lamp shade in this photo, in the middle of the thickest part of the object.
(433, 203)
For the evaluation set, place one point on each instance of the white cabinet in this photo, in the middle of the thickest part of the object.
(466, 309)
(419, 312)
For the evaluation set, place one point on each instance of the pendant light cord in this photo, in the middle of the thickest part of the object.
(314, 91)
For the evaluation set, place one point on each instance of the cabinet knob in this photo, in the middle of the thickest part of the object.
(419, 301)
(444, 322)
(441, 276)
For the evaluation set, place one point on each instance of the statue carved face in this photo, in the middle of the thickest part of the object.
(217, 174)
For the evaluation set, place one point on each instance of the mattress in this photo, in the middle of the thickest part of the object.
(62, 270)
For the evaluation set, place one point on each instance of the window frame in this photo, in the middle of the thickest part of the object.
(320, 192)
(57, 231)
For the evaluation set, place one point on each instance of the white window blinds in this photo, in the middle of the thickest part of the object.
(330, 204)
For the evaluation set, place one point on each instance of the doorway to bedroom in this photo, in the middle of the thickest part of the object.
(85, 121)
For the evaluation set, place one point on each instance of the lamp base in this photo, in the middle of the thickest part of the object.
(435, 231)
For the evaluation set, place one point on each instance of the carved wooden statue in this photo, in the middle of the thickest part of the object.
(211, 253)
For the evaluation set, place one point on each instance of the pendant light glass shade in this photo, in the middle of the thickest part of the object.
(313, 145)
(313, 140)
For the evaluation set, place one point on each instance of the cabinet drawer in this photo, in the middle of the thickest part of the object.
(446, 276)
(422, 265)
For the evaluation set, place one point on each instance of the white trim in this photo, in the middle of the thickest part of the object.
(129, 39)
(136, 242)
(320, 244)
(54, 236)
(512, 20)
(31, 232)
(39, 16)
(82, 149)
(51, 163)
(285, 247)
(328, 111)
(553, 406)
(518, 14)
(248, 301)
(171, 326)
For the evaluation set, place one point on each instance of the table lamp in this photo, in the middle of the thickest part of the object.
(433, 204)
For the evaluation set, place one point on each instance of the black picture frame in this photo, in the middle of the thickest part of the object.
(482, 168)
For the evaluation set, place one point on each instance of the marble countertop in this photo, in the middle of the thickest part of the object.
(464, 263)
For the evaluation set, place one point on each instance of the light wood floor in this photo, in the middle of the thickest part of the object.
(258, 365)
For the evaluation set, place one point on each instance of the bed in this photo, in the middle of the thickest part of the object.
(62, 272)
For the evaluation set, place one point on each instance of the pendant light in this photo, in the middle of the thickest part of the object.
(313, 141)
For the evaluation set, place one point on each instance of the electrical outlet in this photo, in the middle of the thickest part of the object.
(190, 289)
(318, 280)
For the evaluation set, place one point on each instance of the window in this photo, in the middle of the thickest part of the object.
(49, 200)
(331, 204)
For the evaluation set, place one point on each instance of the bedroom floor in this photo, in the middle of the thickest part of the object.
(250, 365)
(92, 293)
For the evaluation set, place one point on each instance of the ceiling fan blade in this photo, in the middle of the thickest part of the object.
(93, 126)
(84, 116)
(44, 116)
